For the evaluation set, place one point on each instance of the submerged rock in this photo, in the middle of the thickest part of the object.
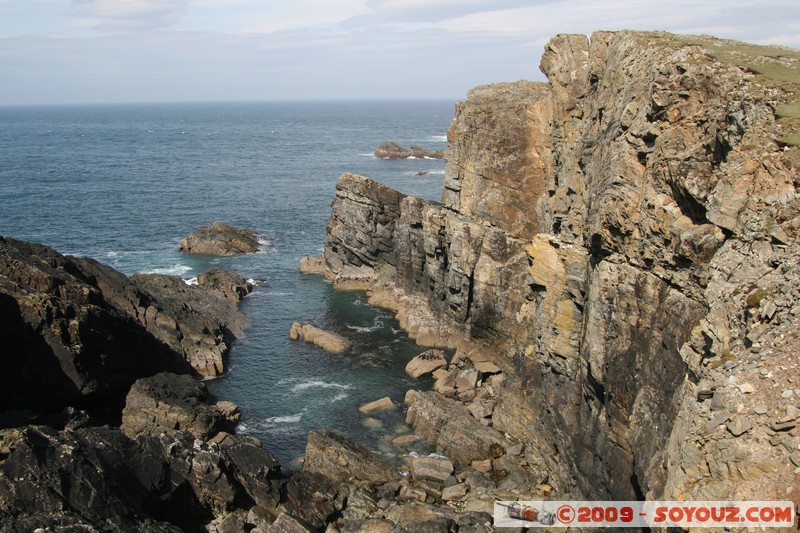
(220, 239)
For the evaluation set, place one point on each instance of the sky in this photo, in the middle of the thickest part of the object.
(106, 51)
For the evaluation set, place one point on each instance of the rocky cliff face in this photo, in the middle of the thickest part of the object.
(620, 241)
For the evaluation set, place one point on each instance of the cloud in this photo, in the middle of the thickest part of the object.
(132, 15)
(387, 12)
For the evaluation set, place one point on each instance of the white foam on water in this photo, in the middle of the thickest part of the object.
(291, 419)
(190, 281)
(319, 384)
(340, 396)
(442, 138)
(175, 270)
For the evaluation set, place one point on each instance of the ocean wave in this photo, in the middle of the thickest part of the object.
(175, 270)
(265, 245)
(318, 384)
(439, 138)
(291, 419)
(376, 325)
(340, 396)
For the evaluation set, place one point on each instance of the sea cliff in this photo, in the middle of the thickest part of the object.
(620, 241)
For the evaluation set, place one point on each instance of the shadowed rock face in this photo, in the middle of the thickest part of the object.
(606, 238)
(79, 333)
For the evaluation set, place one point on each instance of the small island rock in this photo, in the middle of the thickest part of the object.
(390, 150)
(220, 239)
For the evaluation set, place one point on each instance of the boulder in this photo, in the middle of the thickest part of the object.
(426, 363)
(390, 150)
(431, 468)
(377, 405)
(220, 239)
(175, 402)
(340, 459)
(327, 340)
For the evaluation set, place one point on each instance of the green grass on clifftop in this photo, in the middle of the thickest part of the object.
(775, 66)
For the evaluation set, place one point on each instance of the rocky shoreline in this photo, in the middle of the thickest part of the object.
(612, 264)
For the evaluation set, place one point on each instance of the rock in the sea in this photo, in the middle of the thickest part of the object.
(425, 363)
(390, 150)
(340, 459)
(220, 239)
(377, 405)
(327, 340)
(176, 402)
(312, 264)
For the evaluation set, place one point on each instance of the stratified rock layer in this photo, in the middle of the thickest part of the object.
(614, 241)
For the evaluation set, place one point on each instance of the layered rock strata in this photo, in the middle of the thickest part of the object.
(616, 241)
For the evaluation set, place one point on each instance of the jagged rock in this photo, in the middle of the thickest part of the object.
(390, 150)
(339, 459)
(85, 332)
(175, 402)
(425, 363)
(312, 264)
(448, 424)
(431, 468)
(286, 524)
(314, 498)
(231, 284)
(454, 492)
(220, 239)
(327, 340)
(100, 478)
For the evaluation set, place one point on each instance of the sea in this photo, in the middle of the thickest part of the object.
(124, 183)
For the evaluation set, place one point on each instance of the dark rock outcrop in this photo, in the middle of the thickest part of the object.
(100, 479)
(608, 240)
(176, 402)
(79, 333)
(390, 150)
(220, 239)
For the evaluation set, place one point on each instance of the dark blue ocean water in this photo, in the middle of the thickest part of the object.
(125, 183)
